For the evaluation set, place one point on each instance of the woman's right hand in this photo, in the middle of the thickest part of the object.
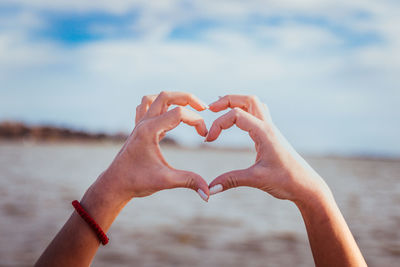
(278, 169)
(140, 169)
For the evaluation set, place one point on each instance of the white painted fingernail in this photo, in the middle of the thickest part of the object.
(202, 195)
(216, 189)
(204, 105)
(205, 138)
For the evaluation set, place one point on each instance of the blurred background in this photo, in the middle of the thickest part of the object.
(73, 72)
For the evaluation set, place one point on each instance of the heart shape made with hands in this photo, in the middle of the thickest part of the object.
(247, 112)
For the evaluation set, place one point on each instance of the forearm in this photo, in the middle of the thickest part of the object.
(76, 243)
(331, 241)
(138, 170)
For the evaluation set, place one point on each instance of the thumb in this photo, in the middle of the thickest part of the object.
(193, 181)
(230, 180)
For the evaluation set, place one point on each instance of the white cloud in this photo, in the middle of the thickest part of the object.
(303, 71)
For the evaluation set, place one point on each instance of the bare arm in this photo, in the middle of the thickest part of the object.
(280, 171)
(76, 243)
(331, 241)
(138, 170)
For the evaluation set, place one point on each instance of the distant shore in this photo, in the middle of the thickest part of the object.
(10, 130)
(18, 132)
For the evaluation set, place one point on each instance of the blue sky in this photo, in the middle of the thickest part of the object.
(329, 70)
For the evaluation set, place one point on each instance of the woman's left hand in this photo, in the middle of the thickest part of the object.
(140, 169)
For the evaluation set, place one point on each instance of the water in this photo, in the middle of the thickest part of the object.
(240, 227)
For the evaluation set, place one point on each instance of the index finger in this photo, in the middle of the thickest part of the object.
(248, 103)
(242, 119)
(143, 107)
(165, 99)
(174, 117)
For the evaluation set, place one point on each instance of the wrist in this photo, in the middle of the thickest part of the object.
(310, 188)
(315, 200)
(101, 194)
(102, 202)
(110, 187)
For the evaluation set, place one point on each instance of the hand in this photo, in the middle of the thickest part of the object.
(140, 169)
(278, 169)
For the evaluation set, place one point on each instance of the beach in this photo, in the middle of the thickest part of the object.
(240, 227)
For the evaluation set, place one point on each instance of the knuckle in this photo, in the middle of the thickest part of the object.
(232, 181)
(144, 128)
(179, 111)
(145, 99)
(163, 94)
(190, 183)
(253, 98)
(218, 122)
(237, 111)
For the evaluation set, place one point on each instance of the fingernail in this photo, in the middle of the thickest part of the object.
(205, 139)
(204, 105)
(216, 189)
(202, 195)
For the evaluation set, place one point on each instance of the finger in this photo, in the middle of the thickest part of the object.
(267, 116)
(242, 119)
(193, 181)
(171, 119)
(249, 103)
(229, 101)
(230, 180)
(165, 99)
(143, 107)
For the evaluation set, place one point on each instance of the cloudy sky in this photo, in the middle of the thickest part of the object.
(329, 70)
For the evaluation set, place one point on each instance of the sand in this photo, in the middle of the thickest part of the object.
(240, 227)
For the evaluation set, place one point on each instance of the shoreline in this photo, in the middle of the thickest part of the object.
(176, 146)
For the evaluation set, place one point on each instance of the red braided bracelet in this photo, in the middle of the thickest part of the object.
(92, 223)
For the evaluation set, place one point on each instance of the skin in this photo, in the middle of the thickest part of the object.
(139, 170)
(280, 171)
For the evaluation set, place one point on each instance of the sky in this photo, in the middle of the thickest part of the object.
(328, 70)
